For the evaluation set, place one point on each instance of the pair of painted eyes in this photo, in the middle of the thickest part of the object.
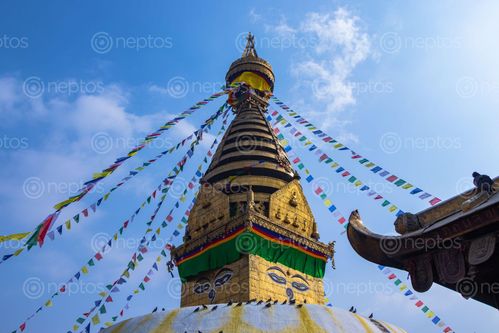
(219, 281)
(281, 280)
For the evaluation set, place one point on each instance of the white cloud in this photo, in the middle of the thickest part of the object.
(159, 89)
(333, 45)
(340, 46)
(8, 95)
(254, 16)
(61, 153)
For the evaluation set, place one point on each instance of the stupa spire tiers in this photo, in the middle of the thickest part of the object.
(251, 233)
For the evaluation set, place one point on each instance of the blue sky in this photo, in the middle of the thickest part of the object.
(412, 86)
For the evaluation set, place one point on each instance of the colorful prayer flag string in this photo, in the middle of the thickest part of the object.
(143, 248)
(436, 320)
(318, 190)
(340, 170)
(147, 140)
(96, 257)
(373, 167)
(147, 278)
(89, 185)
(37, 237)
(168, 181)
(136, 258)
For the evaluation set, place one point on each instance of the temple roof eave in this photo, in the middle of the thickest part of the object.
(369, 244)
(392, 250)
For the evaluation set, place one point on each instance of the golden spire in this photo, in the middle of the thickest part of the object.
(250, 50)
(251, 62)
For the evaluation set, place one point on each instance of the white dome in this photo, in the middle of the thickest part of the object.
(254, 318)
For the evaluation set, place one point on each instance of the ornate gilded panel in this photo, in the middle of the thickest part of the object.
(289, 208)
(210, 211)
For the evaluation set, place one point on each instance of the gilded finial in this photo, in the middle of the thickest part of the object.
(250, 50)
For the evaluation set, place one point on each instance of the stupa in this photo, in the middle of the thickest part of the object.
(251, 259)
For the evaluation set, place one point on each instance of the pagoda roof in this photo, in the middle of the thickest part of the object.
(458, 234)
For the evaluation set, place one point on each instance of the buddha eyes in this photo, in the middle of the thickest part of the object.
(204, 285)
(281, 279)
(201, 287)
(277, 278)
(299, 286)
(223, 279)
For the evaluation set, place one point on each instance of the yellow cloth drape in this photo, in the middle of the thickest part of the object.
(255, 81)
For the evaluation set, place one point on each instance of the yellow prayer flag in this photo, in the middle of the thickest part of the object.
(84, 270)
(406, 186)
(68, 224)
(357, 183)
(133, 153)
(334, 165)
(102, 294)
(327, 202)
(108, 323)
(49, 303)
(136, 291)
(370, 164)
(75, 327)
(14, 236)
(65, 202)
(95, 319)
(392, 208)
(18, 251)
(101, 174)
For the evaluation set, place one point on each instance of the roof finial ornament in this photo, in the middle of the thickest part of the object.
(249, 50)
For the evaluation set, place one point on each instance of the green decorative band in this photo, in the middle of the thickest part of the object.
(258, 241)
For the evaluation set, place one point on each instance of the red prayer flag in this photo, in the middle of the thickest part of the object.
(46, 224)
(392, 178)
(434, 201)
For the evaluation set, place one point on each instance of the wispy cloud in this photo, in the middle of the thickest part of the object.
(81, 135)
(332, 45)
